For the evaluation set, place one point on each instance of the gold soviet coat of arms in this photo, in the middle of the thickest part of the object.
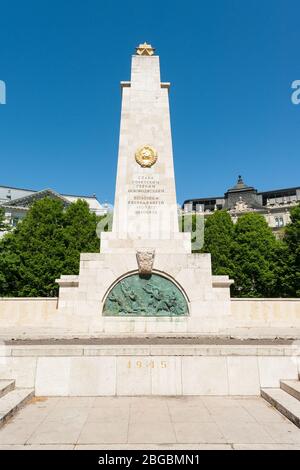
(146, 156)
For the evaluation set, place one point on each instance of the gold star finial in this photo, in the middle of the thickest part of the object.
(145, 49)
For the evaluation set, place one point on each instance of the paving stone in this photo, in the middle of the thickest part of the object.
(111, 401)
(156, 432)
(37, 447)
(190, 414)
(104, 433)
(185, 401)
(107, 414)
(17, 432)
(239, 433)
(149, 415)
(36, 410)
(202, 433)
(235, 414)
(154, 447)
(261, 412)
(69, 414)
(67, 402)
(265, 447)
(143, 403)
(145, 423)
(57, 432)
(283, 433)
(220, 402)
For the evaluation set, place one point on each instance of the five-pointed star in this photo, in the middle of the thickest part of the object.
(145, 49)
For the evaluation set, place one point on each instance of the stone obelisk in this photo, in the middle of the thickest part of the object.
(145, 209)
(145, 269)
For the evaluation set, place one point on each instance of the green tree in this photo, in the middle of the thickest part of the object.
(193, 224)
(218, 239)
(291, 255)
(9, 267)
(254, 252)
(79, 234)
(46, 244)
(3, 225)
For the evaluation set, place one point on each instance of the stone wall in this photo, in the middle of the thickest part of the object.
(256, 317)
(99, 370)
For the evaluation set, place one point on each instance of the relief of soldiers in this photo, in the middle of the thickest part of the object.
(116, 303)
(169, 304)
(130, 296)
(155, 295)
(132, 301)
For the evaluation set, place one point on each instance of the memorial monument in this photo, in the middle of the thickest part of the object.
(144, 286)
(145, 278)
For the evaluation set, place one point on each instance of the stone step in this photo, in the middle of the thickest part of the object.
(292, 387)
(13, 401)
(6, 386)
(283, 402)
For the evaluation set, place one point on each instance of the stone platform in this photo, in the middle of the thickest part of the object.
(107, 423)
(149, 369)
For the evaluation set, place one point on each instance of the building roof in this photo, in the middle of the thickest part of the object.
(240, 186)
(18, 198)
(25, 201)
(78, 196)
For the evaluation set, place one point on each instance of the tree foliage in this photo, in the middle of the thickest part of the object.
(249, 253)
(253, 254)
(193, 224)
(3, 225)
(218, 236)
(46, 244)
(291, 256)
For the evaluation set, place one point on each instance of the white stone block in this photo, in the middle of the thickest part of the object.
(52, 376)
(134, 375)
(20, 369)
(80, 376)
(166, 375)
(243, 375)
(273, 369)
(93, 376)
(204, 376)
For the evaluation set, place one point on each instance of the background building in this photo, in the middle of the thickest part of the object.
(16, 201)
(274, 205)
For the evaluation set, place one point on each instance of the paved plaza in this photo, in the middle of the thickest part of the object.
(205, 422)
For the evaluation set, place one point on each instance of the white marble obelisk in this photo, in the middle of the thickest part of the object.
(145, 209)
(145, 240)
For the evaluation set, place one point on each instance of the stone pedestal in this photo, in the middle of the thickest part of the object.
(207, 296)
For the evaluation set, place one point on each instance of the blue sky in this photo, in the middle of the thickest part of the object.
(231, 64)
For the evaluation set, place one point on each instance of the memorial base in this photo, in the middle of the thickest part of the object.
(207, 297)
